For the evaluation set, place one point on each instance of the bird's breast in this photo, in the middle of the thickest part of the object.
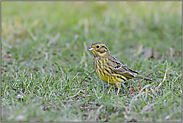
(103, 71)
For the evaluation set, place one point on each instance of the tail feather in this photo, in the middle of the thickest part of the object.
(145, 78)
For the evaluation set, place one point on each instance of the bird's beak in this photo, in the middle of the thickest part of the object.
(90, 48)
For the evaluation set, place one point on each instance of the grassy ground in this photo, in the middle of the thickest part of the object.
(47, 73)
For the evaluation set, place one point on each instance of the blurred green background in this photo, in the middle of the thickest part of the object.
(44, 57)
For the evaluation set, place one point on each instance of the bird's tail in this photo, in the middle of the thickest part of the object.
(145, 78)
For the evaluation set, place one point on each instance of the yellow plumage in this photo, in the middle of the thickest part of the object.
(110, 69)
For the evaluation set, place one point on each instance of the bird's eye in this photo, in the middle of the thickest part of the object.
(97, 46)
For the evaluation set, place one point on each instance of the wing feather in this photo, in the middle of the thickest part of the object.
(118, 68)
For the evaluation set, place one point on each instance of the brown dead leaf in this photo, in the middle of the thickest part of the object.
(173, 53)
(155, 54)
(7, 56)
(177, 53)
(135, 90)
(147, 53)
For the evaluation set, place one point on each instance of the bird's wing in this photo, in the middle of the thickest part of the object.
(119, 68)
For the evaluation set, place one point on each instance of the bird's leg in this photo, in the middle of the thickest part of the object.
(109, 89)
(118, 86)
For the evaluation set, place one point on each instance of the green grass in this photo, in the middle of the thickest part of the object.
(47, 73)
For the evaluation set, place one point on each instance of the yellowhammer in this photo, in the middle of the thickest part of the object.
(109, 68)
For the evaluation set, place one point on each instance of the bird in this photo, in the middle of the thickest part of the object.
(109, 68)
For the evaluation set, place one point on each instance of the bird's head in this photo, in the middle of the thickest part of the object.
(99, 49)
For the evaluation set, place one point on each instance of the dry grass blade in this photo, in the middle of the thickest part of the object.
(52, 40)
(147, 107)
(135, 97)
(153, 91)
(138, 51)
(156, 88)
(148, 53)
(98, 112)
(80, 91)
